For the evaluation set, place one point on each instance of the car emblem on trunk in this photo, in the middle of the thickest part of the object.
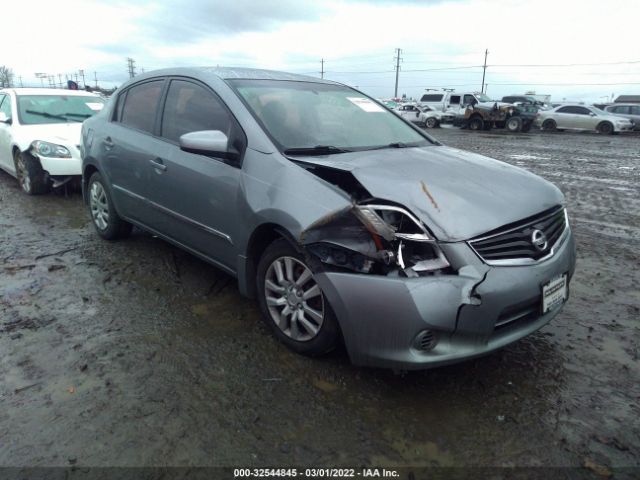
(539, 240)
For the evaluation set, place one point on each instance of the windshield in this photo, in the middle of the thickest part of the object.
(307, 115)
(40, 109)
(483, 98)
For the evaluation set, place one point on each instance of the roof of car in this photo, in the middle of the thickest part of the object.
(48, 91)
(229, 73)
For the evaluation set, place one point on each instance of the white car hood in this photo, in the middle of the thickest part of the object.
(67, 134)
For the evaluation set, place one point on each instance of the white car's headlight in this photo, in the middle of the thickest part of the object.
(47, 149)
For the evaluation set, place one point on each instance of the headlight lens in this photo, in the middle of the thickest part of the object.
(47, 149)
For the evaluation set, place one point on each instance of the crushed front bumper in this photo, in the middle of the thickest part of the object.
(469, 313)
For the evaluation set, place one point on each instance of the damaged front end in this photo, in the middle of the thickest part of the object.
(376, 238)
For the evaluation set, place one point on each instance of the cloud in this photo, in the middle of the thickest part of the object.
(180, 22)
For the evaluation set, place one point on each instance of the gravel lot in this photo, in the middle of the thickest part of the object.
(136, 353)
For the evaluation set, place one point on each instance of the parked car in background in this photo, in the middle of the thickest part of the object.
(40, 135)
(432, 118)
(362, 229)
(626, 110)
(423, 115)
(582, 117)
(408, 111)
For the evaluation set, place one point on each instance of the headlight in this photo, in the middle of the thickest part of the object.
(47, 149)
(393, 241)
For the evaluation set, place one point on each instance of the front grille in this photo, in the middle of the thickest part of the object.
(522, 242)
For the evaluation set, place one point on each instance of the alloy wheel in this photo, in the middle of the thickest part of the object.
(23, 174)
(294, 299)
(99, 206)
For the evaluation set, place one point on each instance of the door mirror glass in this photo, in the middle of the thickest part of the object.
(206, 142)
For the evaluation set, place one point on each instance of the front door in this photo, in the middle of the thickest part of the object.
(196, 196)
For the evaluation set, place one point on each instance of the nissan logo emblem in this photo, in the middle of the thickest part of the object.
(539, 240)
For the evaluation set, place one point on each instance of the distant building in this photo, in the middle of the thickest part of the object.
(627, 99)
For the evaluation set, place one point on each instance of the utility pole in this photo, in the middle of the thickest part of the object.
(131, 65)
(484, 69)
(20, 78)
(322, 68)
(398, 59)
(95, 77)
(60, 80)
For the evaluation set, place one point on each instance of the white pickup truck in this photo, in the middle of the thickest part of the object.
(456, 102)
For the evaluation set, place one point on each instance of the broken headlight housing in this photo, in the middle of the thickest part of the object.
(47, 149)
(393, 241)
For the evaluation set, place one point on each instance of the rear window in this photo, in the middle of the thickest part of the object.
(432, 98)
(141, 105)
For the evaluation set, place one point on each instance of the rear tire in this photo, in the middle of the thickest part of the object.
(549, 125)
(292, 303)
(514, 124)
(476, 123)
(31, 176)
(605, 128)
(104, 217)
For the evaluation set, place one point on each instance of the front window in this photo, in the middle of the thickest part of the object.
(42, 109)
(308, 115)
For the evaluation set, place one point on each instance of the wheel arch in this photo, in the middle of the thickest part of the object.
(261, 237)
(87, 170)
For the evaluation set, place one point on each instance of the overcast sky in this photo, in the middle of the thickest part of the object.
(442, 42)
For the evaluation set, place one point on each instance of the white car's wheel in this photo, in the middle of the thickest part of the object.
(31, 177)
(431, 122)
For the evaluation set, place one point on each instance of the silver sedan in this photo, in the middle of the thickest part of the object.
(582, 117)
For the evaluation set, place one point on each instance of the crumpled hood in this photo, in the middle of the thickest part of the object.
(67, 134)
(457, 194)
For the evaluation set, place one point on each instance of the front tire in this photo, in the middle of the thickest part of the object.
(605, 128)
(107, 222)
(31, 176)
(431, 122)
(292, 303)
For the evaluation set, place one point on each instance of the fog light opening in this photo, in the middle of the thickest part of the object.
(426, 341)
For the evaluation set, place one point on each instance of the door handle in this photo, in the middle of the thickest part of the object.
(158, 164)
(108, 143)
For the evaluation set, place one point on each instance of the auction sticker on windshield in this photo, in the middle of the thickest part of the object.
(95, 106)
(554, 293)
(365, 104)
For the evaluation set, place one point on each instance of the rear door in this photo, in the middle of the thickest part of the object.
(129, 147)
(566, 117)
(196, 197)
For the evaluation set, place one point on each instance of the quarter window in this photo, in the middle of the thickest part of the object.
(140, 106)
(191, 108)
(634, 109)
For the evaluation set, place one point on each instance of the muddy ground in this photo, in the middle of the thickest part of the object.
(136, 353)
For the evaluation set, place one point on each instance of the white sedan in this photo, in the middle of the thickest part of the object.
(582, 117)
(40, 134)
(423, 115)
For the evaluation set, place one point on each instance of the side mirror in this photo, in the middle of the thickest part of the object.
(4, 118)
(592, 114)
(212, 143)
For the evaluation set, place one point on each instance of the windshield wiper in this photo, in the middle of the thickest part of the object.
(45, 114)
(81, 115)
(317, 150)
(390, 145)
(59, 117)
